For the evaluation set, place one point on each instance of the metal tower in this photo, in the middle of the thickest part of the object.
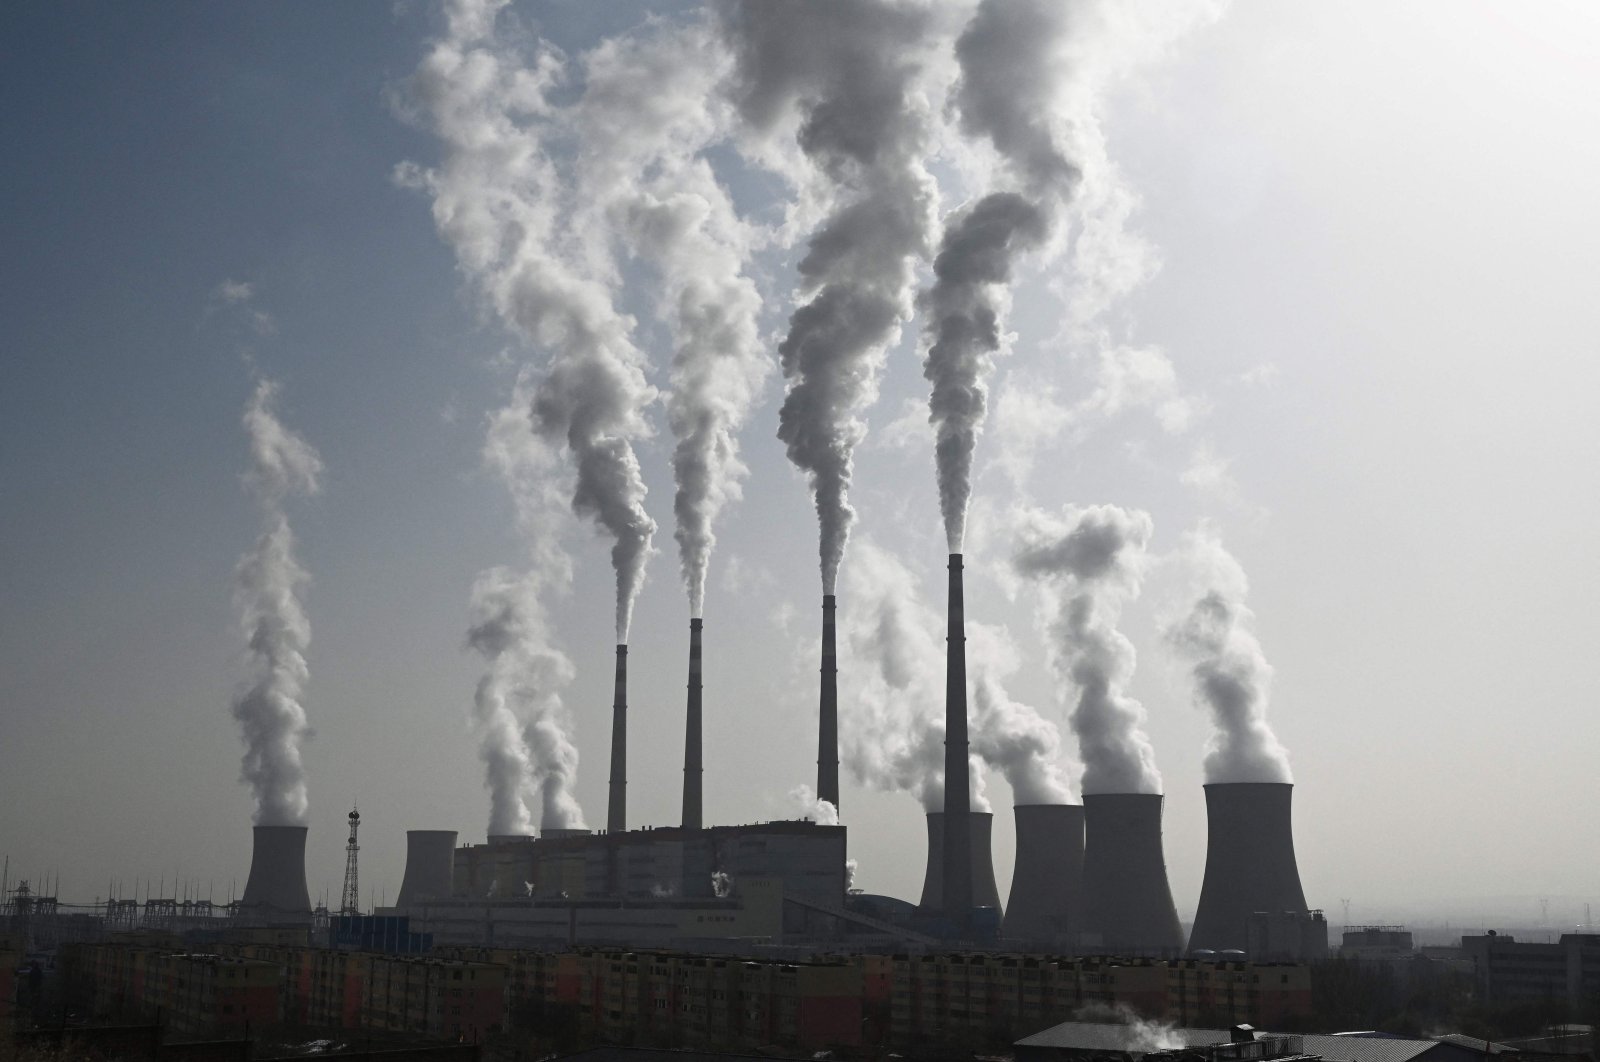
(352, 889)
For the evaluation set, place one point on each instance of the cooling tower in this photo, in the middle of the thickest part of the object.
(1046, 902)
(692, 771)
(828, 711)
(277, 881)
(430, 866)
(958, 859)
(980, 872)
(617, 808)
(1128, 906)
(1250, 864)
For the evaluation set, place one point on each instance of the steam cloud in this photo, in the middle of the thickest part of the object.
(1012, 71)
(1232, 678)
(1090, 561)
(851, 76)
(813, 807)
(643, 121)
(267, 584)
(500, 202)
(892, 730)
(522, 724)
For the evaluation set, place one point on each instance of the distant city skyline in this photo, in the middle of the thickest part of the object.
(1324, 302)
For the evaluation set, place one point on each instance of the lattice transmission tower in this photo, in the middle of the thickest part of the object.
(351, 904)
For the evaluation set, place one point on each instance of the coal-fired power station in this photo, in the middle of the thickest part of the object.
(1250, 864)
(981, 864)
(828, 710)
(956, 894)
(277, 881)
(693, 771)
(430, 866)
(1046, 902)
(1128, 907)
(617, 805)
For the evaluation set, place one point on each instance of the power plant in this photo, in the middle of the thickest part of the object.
(1128, 907)
(276, 887)
(1046, 902)
(1088, 879)
(1250, 871)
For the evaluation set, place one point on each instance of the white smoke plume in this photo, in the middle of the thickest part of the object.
(721, 884)
(506, 209)
(267, 586)
(523, 727)
(1089, 562)
(1010, 736)
(822, 812)
(643, 122)
(1232, 678)
(892, 727)
(853, 82)
(1015, 69)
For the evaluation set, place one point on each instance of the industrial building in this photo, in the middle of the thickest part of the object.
(1511, 971)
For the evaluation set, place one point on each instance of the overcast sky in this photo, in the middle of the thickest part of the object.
(1377, 239)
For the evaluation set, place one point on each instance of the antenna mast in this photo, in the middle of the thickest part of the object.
(351, 904)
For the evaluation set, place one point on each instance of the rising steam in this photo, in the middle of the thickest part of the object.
(848, 79)
(643, 122)
(1232, 678)
(267, 584)
(522, 725)
(1090, 562)
(1014, 73)
(499, 200)
(892, 727)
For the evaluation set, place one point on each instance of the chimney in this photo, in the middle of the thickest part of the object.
(1250, 864)
(617, 809)
(828, 711)
(692, 771)
(956, 896)
(984, 891)
(430, 866)
(277, 881)
(1046, 900)
(1128, 907)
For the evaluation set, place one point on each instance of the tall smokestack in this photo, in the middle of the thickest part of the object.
(277, 881)
(1128, 907)
(956, 896)
(430, 866)
(1046, 902)
(692, 770)
(828, 711)
(981, 867)
(617, 809)
(1250, 864)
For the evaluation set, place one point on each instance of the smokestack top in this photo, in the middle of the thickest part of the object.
(695, 623)
(1243, 785)
(622, 648)
(829, 601)
(955, 562)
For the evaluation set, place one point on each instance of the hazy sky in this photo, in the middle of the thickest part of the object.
(1377, 240)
